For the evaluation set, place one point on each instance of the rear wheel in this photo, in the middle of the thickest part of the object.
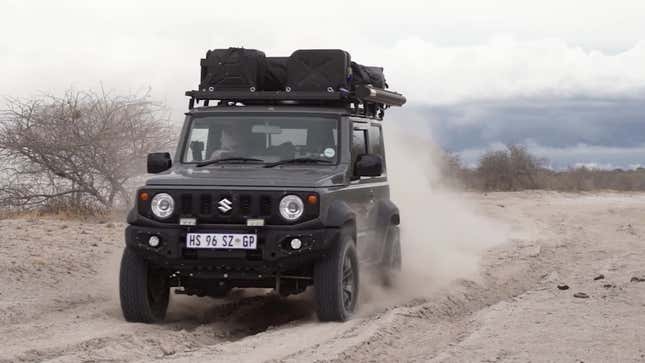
(392, 259)
(143, 289)
(336, 282)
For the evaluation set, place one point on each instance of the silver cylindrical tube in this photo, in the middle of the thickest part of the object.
(378, 95)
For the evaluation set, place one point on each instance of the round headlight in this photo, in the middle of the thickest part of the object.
(162, 205)
(291, 207)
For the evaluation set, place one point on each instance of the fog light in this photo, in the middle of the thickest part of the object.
(296, 243)
(153, 241)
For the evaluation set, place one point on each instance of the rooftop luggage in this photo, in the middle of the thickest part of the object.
(318, 69)
(275, 78)
(320, 77)
(366, 75)
(233, 68)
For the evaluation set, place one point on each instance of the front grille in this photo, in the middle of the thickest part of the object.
(205, 202)
(265, 205)
(245, 205)
(228, 207)
(186, 203)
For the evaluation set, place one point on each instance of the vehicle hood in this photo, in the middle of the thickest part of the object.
(251, 176)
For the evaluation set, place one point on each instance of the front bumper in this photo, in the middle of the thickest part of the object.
(272, 256)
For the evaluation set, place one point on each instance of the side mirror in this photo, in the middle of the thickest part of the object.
(158, 162)
(368, 165)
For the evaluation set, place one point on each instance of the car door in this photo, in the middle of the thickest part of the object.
(361, 197)
(379, 191)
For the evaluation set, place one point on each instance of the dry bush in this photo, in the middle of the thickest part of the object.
(494, 171)
(78, 151)
(516, 169)
(511, 169)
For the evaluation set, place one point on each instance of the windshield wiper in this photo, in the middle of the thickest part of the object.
(224, 160)
(297, 160)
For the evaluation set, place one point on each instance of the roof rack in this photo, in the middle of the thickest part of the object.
(318, 77)
(364, 101)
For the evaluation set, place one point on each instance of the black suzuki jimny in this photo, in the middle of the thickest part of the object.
(279, 181)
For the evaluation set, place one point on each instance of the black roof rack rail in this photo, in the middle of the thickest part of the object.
(365, 101)
(241, 95)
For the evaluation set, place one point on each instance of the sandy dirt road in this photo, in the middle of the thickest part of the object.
(58, 299)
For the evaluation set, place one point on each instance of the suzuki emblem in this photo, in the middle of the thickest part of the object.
(225, 205)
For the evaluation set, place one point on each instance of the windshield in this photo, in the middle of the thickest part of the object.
(268, 138)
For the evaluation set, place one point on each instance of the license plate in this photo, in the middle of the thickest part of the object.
(235, 241)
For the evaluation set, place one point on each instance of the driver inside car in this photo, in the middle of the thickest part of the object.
(230, 143)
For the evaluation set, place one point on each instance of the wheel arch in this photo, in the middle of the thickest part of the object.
(387, 213)
(340, 215)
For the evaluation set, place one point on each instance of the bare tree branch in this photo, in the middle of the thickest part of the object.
(82, 147)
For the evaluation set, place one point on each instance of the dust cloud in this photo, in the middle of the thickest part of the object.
(442, 235)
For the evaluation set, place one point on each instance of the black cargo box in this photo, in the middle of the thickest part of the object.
(233, 68)
(318, 70)
(275, 78)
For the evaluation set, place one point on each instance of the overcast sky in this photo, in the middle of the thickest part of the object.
(566, 78)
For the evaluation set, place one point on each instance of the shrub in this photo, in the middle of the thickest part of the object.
(77, 151)
(516, 169)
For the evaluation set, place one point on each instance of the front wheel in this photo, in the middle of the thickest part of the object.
(336, 282)
(143, 289)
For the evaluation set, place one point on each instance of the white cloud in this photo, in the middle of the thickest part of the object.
(504, 68)
(437, 52)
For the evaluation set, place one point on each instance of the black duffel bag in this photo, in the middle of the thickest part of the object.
(233, 68)
(364, 75)
(275, 77)
(318, 70)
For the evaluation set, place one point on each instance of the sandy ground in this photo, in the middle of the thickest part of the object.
(58, 299)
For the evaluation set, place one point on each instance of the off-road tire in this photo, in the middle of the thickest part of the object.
(144, 290)
(331, 278)
(392, 260)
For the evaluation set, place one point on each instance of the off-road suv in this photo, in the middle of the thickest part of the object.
(273, 189)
